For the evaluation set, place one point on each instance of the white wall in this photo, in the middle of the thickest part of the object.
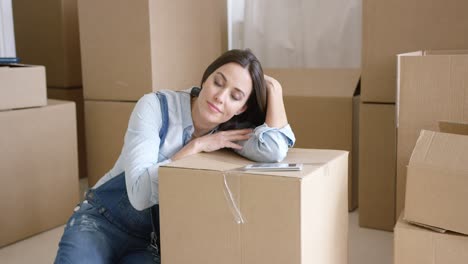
(7, 36)
(298, 33)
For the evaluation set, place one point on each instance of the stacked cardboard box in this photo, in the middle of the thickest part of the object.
(130, 48)
(435, 193)
(322, 110)
(377, 158)
(241, 215)
(432, 87)
(38, 141)
(51, 38)
(391, 28)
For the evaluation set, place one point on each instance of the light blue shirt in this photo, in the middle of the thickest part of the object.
(142, 154)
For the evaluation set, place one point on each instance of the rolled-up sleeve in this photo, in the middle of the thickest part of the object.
(268, 144)
(141, 152)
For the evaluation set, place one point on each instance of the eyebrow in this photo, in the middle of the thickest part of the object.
(225, 79)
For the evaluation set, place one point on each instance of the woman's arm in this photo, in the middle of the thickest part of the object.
(141, 152)
(270, 141)
(212, 142)
(276, 113)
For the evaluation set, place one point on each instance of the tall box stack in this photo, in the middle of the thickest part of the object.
(243, 215)
(130, 48)
(377, 158)
(391, 28)
(432, 87)
(435, 201)
(322, 110)
(38, 141)
(51, 38)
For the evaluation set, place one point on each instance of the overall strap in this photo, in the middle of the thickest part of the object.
(155, 235)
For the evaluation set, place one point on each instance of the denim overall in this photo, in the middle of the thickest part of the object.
(107, 215)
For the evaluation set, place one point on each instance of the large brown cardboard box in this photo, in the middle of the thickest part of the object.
(377, 166)
(437, 180)
(432, 87)
(39, 169)
(322, 111)
(213, 212)
(46, 33)
(130, 48)
(398, 26)
(417, 245)
(75, 95)
(105, 125)
(22, 86)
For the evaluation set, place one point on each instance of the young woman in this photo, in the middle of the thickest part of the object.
(236, 107)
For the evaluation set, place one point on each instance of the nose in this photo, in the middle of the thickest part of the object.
(220, 96)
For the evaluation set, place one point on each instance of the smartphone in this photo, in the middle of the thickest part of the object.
(274, 167)
(9, 60)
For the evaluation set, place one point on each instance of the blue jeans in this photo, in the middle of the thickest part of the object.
(107, 229)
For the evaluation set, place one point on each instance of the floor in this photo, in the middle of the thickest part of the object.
(366, 246)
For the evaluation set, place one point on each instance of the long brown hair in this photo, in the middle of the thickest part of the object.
(255, 113)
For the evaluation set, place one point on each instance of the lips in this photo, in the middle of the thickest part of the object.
(214, 108)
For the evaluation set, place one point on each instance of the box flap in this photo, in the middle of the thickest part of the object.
(441, 150)
(317, 82)
(453, 127)
(224, 160)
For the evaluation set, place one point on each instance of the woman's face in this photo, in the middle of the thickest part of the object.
(224, 94)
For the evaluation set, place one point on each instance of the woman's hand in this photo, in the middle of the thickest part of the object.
(276, 113)
(273, 86)
(213, 142)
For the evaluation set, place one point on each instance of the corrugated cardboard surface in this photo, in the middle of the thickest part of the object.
(287, 217)
(22, 86)
(105, 126)
(319, 104)
(130, 48)
(75, 95)
(436, 192)
(47, 34)
(431, 88)
(417, 245)
(377, 166)
(398, 26)
(39, 154)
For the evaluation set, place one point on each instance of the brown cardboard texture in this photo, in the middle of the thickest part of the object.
(432, 87)
(320, 104)
(39, 169)
(75, 95)
(22, 86)
(453, 127)
(377, 166)
(417, 245)
(130, 48)
(218, 213)
(49, 37)
(105, 125)
(393, 27)
(436, 190)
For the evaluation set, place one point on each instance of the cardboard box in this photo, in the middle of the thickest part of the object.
(437, 177)
(49, 37)
(75, 95)
(432, 87)
(398, 26)
(130, 48)
(211, 212)
(377, 166)
(22, 86)
(105, 124)
(39, 154)
(417, 245)
(320, 104)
